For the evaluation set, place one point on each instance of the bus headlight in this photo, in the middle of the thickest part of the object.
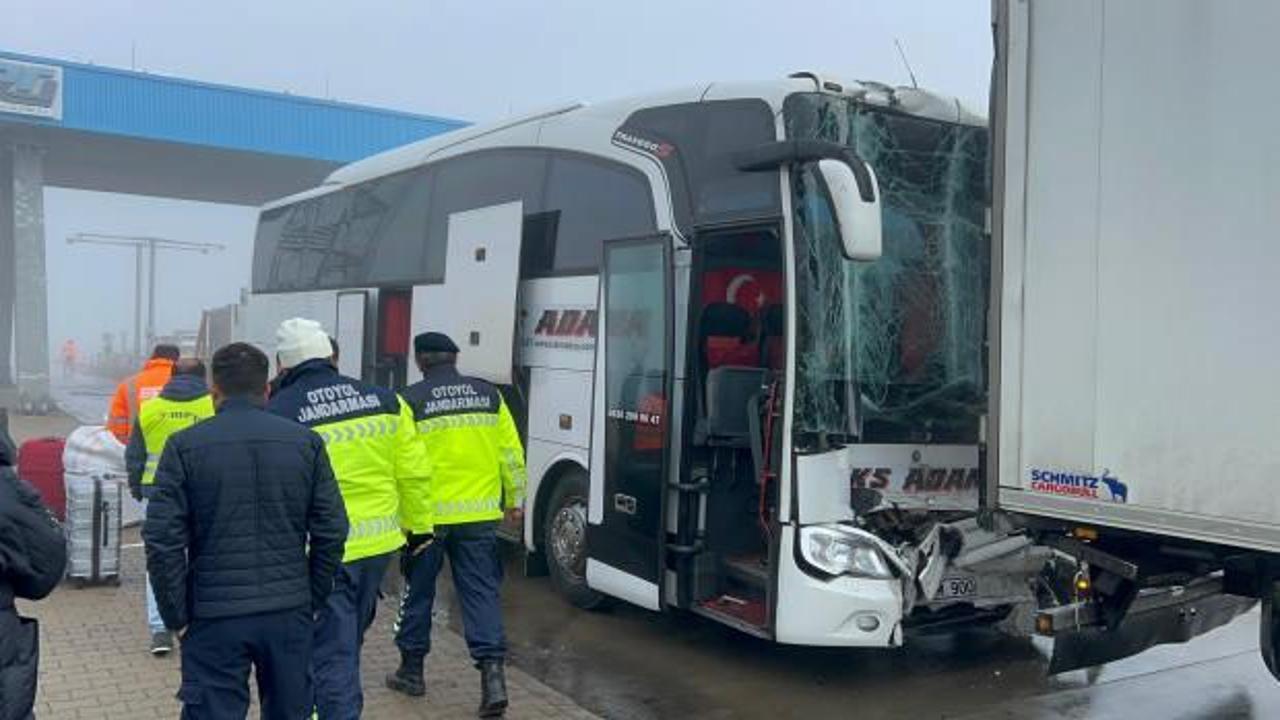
(838, 550)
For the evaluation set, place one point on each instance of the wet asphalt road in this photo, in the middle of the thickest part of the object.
(631, 664)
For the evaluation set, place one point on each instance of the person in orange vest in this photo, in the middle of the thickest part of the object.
(139, 388)
(70, 354)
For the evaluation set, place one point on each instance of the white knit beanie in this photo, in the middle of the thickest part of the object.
(299, 340)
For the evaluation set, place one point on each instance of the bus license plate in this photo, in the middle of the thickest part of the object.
(958, 587)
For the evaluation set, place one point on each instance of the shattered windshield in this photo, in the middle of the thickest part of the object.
(913, 321)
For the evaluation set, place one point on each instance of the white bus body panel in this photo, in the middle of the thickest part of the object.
(476, 303)
(555, 326)
(612, 581)
(1137, 381)
(557, 342)
(261, 315)
(915, 477)
(349, 332)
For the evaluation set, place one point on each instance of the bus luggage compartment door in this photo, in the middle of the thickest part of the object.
(476, 303)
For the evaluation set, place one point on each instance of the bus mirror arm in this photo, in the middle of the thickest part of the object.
(771, 156)
(850, 183)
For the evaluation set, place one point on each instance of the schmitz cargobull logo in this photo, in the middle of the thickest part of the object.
(1079, 485)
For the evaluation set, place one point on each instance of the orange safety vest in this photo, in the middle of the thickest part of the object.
(134, 391)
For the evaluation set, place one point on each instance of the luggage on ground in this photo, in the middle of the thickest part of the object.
(92, 449)
(95, 481)
(40, 463)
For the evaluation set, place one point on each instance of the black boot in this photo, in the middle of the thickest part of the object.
(407, 678)
(493, 688)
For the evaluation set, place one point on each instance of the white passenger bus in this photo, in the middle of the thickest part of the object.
(736, 399)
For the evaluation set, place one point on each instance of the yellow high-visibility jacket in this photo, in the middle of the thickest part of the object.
(381, 467)
(183, 402)
(477, 460)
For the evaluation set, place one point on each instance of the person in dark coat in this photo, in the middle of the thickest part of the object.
(33, 557)
(244, 533)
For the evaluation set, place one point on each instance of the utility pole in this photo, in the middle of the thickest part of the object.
(151, 244)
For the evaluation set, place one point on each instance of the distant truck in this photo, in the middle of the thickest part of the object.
(1134, 402)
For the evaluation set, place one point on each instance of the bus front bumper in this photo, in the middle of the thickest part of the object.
(841, 612)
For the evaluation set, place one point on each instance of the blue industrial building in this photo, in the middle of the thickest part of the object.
(87, 127)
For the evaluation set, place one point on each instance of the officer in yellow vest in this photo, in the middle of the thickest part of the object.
(477, 478)
(382, 473)
(183, 402)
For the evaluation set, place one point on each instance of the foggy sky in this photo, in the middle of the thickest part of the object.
(472, 60)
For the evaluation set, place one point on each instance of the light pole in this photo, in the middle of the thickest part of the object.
(151, 244)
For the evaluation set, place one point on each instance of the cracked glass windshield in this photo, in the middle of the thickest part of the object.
(907, 331)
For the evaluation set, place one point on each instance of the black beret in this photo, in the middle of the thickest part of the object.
(434, 342)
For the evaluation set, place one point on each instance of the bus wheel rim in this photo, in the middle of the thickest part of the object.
(569, 537)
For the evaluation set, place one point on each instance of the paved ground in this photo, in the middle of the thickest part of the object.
(95, 664)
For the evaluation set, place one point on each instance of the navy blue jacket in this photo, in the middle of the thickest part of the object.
(237, 501)
(291, 400)
(33, 555)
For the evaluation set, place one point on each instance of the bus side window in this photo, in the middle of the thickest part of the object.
(588, 201)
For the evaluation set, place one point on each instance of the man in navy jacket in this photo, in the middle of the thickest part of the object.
(244, 534)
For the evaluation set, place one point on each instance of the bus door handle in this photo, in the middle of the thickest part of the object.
(624, 504)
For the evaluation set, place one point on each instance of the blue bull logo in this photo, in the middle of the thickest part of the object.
(1119, 491)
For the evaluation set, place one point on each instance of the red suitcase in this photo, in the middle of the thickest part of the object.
(40, 463)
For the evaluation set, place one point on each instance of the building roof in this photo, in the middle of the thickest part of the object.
(88, 115)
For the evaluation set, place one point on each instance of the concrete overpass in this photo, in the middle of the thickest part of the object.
(85, 127)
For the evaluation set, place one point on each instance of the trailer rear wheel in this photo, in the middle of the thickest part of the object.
(565, 541)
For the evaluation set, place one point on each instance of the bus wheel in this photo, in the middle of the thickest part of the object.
(565, 541)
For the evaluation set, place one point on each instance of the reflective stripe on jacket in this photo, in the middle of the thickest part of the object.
(368, 431)
(477, 460)
(133, 393)
(160, 418)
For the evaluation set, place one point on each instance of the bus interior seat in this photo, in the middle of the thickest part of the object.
(723, 334)
(731, 390)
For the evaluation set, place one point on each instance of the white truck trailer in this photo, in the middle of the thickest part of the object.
(1134, 401)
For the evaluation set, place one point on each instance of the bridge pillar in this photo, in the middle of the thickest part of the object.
(24, 322)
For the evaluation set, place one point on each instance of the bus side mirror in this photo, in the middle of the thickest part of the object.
(856, 207)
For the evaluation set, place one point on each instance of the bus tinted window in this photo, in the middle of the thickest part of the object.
(588, 201)
(479, 180)
(697, 143)
(367, 234)
(392, 231)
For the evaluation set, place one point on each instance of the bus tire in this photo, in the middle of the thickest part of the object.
(564, 540)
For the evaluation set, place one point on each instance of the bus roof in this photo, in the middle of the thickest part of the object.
(911, 101)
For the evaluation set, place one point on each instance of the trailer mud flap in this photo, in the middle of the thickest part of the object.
(1151, 621)
(1269, 631)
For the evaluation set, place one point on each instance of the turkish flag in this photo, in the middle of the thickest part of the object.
(750, 289)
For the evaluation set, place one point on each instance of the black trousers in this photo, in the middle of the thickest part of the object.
(217, 655)
(472, 549)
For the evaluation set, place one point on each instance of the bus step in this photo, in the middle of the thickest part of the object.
(748, 569)
(750, 615)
